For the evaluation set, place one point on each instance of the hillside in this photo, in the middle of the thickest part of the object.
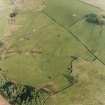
(51, 47)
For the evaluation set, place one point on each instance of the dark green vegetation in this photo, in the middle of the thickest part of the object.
(17, 94)
(59, 51)
(96, 19)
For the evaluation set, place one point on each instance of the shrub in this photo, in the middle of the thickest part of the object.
(98, 19)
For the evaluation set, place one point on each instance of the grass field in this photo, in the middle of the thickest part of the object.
(40, 47)
(92, 36)
(54, 45)
(67, 12)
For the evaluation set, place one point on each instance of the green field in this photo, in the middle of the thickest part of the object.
(40, 51)
(68, 12)
(92, 36)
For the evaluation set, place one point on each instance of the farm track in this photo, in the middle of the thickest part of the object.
(89, 4)
(100, 4)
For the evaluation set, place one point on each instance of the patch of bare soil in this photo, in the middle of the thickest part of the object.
(12, 28)
(97, 3)
(3, 101)
(50, 87)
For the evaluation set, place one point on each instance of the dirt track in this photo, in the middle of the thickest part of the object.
(3, 101)
(98, 3)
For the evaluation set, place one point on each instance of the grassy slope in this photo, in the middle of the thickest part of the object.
(56, 44)
(68, 12)
(93, 36)
(90, 87)
(38, 31)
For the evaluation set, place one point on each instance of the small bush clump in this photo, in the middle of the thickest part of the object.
(98, 19)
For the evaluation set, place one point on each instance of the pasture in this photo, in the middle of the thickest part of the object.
(44, 45)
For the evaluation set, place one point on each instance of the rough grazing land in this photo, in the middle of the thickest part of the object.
(52, 47)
